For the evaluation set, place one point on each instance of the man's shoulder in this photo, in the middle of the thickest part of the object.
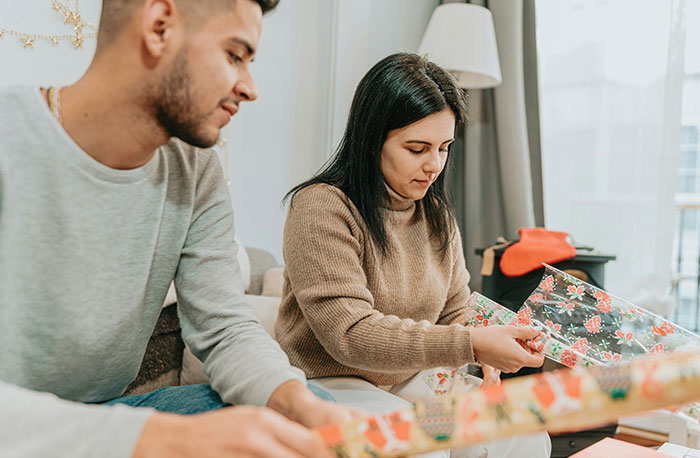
(15, 90)
(192, 170)
(21, 121)
(190, 159)
(192, 153)
(15, 100)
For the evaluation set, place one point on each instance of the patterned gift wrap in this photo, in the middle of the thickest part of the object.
(585, 326)
(561, 400)
(602, 328)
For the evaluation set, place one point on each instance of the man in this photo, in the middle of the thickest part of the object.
(99, 211)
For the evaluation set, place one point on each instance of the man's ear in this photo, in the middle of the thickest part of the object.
(161, 20)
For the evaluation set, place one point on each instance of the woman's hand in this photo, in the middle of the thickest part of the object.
(503, 348)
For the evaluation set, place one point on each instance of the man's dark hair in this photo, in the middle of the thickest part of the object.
(117, 13)
(399, 90)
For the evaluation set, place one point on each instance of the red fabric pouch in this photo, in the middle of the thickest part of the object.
(536, 245)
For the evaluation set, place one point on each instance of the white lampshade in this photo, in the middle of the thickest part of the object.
(461, 38)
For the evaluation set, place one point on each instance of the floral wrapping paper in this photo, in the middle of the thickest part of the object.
(594, 327)
(555, 401)
(583, 325)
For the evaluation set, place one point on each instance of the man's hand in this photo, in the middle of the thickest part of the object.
(298, 403)
(233, 431)
(502, 347)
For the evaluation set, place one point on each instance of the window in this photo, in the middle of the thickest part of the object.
(617, 82)
(686, 247)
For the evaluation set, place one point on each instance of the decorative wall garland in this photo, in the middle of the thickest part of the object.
(82, 29)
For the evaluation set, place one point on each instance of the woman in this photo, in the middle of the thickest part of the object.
(375, 281)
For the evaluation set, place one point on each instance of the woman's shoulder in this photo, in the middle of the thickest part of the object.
(320, 195)
(323, 204)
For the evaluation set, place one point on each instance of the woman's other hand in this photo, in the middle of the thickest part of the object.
(503, 348)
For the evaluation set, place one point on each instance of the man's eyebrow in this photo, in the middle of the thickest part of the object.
(249, 48)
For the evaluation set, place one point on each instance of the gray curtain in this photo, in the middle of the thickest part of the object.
(497, 175)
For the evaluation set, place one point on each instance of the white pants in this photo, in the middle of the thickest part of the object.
(360, 394)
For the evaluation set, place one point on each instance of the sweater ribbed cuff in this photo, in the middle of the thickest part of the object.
(261, 395)
(451, 346)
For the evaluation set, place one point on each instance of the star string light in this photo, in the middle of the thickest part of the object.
(82, 29)
(27, 42)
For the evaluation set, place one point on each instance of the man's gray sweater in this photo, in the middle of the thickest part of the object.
(86, 257)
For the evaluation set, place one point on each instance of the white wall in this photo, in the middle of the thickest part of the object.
(279, 140)
(46, 64)
(306, 71)
(369, 30)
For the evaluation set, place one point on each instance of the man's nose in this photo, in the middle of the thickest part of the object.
(245, 87)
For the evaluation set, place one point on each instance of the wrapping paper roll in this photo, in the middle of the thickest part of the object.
(566, 399)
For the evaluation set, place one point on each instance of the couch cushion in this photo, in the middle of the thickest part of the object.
(260, 262)
(273, 281)
(162, 360)
(265, 308)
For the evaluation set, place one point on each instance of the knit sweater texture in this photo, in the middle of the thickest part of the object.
(348, 310)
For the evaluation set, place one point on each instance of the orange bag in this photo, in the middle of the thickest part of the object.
(536, 245)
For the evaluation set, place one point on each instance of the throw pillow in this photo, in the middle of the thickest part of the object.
(273, 281)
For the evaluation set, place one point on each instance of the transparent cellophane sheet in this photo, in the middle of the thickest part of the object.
(580, 325)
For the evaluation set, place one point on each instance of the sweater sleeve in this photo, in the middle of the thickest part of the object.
(455, 310)
(324, 252)
(37, 424)
(245, 365)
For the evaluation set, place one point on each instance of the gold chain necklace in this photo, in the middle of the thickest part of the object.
(54, 96)
(223, 143)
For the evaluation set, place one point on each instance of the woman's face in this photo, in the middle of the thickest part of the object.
(413, 156)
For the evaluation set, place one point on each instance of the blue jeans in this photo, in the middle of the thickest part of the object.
(189, 399)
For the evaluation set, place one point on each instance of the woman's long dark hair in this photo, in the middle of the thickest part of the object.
(399, 90)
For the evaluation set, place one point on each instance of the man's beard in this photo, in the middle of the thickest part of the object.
(174, 109)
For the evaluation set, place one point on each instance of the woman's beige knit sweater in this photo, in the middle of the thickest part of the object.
(348, 310)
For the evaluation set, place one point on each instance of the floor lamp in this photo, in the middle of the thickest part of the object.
(461, 38)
